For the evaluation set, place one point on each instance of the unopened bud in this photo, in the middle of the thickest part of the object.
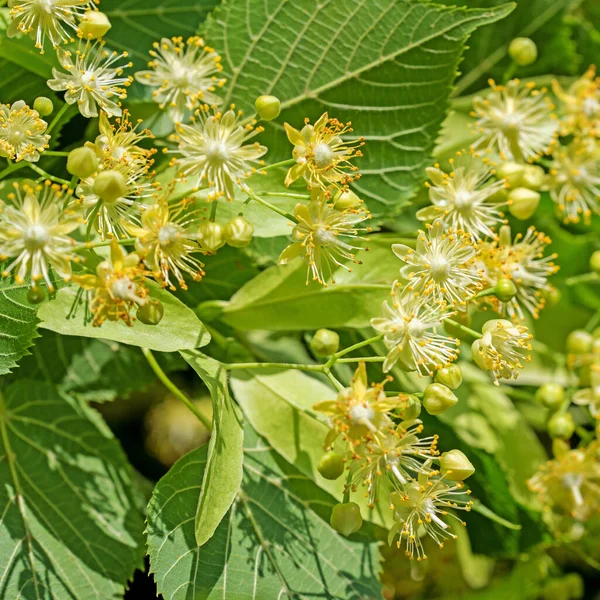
(211, 236)
(595, 262)
(551, 395)
(345, 199)
(238, 232)
(82, 162)
(94, 24)
(438, 398)
(523, 51)
(331, 465)
(268, 107)
(523, 202)
(35, 295)
(325, 342)
(561, 425)
(505, 290)
(109, 186)
(43, 105)
(533, 177)
(552, 295)
(151, 312)
(511, 172)
(455, 466)
(412, 409)
(450, 376)
(579, 342)
(346, 518)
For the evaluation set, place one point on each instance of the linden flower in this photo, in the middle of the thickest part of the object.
(580, 104)
(570, 483)
(515, 121)
(410, 326)
(442, 265)
(465, 198)
(502, 348)
(214, 153)
(41, 19)
(116, 288)
(34, 233)
(93, 80)
(574, 180)
(22, 134)
(421, 511)
(524, 263)
(166, 243)
(322, 156)
(184, 73)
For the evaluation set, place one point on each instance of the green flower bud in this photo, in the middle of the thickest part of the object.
(438, 398)
(325, 342)
(561, 425)
(346, 518)
(267, 107)
(211, 236)
(43, 105)
(462, 318)
(552, 296)
(533, 177)
(238, 232)
(345, 199)
(450, 376)
(523, 51)
(551, 395)
(331, 465)
(511, 172)
(579, 342)
(94, 24)
(523, 202)
(412, 409)
(35, 295)
(505, 290)
(595, 262)
(150, 313)
(109, 186)
(575, 586)
(455, 466)
(82, 162)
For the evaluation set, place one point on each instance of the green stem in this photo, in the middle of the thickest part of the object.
(334, 357)
(593, 322)
(174, 389)
(471, 332)
(13, 167)
(285, 195)
(585, 278)
(272, 207)
(92, 218)
(361, 359)
(55, 153)
(213, 210)
(91, 245)
(272, 365)
(57, 117)
(489, 292)
(510, 72)
(336, 384)
(283, 163)
(47, 175)
(347, 487)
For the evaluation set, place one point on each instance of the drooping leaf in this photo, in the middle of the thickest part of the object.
(271, 544)
(179, 329)
(224, 456)
(386, 65)
(71, 526)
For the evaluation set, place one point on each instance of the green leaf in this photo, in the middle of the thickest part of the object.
(387, 66)
(272, 543)
(70, 526)
(223, 473)
(180, 328)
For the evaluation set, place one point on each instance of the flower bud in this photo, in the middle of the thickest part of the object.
(211, 236)
(331, 465)
(94, 24)
(579, 342)
(533, 177)
(325, 342)
(552, 295)
(523, 51)
(82, 162)
(505, 290)
(267, 107)
(412, 409)
(455, 466)
(238, 232)
(346, 518)
(151, 312)
(43, 105)
(438, 398)
(551, 395)
(345, 199)
(561, 425)
(109, 186)
(523, 202)
(511, 172)
(595, 262)
(35, 295)
(462, 318)
(450, 376)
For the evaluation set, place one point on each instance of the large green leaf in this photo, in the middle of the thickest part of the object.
(224, 456)
(385, 65)
(180, 328)
(272, 543)
(71, 525)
